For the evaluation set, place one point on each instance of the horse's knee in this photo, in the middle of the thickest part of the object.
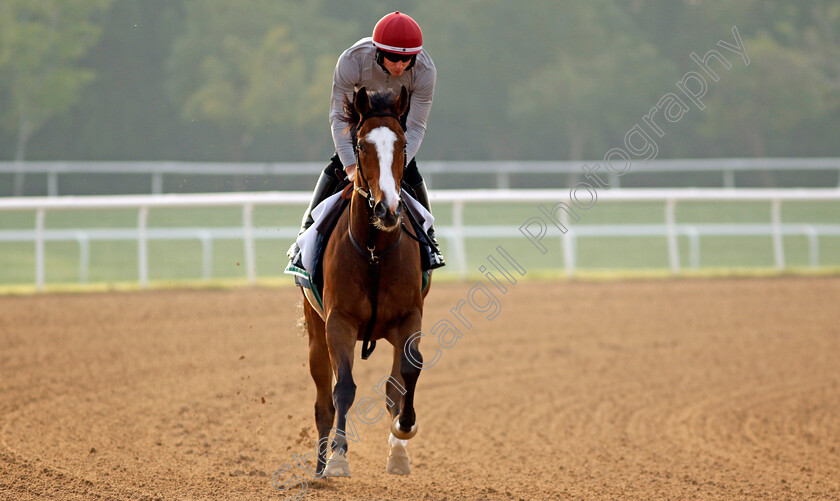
(344, 392)
(410, 363)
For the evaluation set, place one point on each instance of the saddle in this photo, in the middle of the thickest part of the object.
(307, 266)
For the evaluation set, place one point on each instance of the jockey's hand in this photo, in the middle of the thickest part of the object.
(351, 172)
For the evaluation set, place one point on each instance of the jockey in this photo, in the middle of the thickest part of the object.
(392, 58)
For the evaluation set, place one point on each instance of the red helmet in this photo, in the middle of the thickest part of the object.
(398, 33)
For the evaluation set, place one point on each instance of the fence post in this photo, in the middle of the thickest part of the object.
(673, 245)
(778, 243)
(19, 179)
(569, 244)
(813, 245)
(52, 184)
(694, 246)
(142, 246)
(248, 233)
(40, 275)
(206, 254)
(157, 182)
(728, 178)
(84, 256)
(460, 247)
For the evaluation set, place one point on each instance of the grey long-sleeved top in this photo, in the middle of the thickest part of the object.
(356, 68)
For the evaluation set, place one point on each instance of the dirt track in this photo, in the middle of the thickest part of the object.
(703, 389)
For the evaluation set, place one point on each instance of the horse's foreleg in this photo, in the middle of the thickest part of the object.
(395, 390)
(406, 370)
(319, 368)
(411, 362)
(341, 340)
(405, 425)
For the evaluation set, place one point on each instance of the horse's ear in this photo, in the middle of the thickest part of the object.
(361, 102)
(401, 104)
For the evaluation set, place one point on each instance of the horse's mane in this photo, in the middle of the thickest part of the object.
(379, 101)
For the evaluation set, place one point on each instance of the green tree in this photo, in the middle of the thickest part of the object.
(754, 106)
(821, 37)
(41, 42)
(125, 114)
(598, 81)
(590, 99)
(258, 64)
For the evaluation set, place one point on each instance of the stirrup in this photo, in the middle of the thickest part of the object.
(436, 260)
(295, 261)
(293, 250)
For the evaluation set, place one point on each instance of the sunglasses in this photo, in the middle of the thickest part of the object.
(394, 57)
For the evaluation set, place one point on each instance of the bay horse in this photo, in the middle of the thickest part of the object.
(372, 289)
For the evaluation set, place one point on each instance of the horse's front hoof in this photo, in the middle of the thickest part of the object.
(398, 464)
(337, 465)
(398, 459)
(402, 435)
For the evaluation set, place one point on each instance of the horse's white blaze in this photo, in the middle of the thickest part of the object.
(383, 139)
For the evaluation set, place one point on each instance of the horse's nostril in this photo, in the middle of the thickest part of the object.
(398, 210)
(379, 210)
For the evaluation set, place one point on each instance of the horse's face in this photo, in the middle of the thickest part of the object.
(381, 147)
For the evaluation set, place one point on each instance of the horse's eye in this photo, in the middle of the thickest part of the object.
(361, 148)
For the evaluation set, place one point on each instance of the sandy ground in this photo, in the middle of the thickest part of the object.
(685, 389)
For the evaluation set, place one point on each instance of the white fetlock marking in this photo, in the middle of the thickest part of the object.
(337, 465)
(398, 463)
(392, 441)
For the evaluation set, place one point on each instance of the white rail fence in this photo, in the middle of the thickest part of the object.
(501, 170)
(456, 234)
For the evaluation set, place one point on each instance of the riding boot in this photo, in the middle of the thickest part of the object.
(324, 188)
(422, 196)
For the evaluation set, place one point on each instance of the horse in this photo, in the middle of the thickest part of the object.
(372, 290)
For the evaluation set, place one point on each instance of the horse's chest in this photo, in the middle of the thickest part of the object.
(393, 299)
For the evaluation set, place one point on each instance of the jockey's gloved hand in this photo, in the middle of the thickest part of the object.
(351, 172)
